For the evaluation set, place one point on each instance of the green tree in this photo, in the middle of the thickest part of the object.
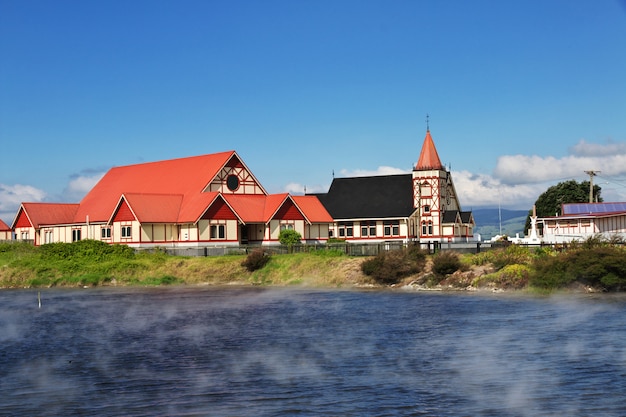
(550, 201)
(289, 237)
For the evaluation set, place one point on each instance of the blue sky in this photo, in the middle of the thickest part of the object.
(521, 95)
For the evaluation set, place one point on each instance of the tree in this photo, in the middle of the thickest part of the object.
(550, 201)
(289, 237)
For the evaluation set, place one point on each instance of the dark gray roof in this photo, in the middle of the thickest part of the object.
(384, 196)
(450, 216)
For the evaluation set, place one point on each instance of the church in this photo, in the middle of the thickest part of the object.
(421, 206)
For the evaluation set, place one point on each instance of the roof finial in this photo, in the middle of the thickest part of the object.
(427, 124)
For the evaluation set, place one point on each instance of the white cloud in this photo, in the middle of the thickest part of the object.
(299, 189)
(382, 170)
(609, 159)
(480, 190)
(80, 185)
(583, 148)
(11, 196)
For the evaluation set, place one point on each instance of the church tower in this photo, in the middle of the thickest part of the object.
(434, 195)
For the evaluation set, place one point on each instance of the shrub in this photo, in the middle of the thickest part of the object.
(597, 266)
(390, 267)
(289, 237)
(256, 259)
(445, 263)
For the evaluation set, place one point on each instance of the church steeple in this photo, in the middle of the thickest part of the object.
(429, 158)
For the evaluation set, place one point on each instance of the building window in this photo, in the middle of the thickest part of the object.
(75, 235)
(48, 236)
(232, 182)
(426, 208)
(287, 226)
(368, 228)
(346, 229)
(218, 231)
(391, 228)
(427, 228)
(105, 233)
(126, 231)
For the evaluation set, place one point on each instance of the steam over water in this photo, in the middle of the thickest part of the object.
(267, 352)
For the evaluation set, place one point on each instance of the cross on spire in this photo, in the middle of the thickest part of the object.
(427, 124)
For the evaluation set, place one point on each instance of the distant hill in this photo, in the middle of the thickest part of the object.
(488, 222)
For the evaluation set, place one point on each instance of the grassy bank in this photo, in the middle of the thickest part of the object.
(93, 263)
(594, 266)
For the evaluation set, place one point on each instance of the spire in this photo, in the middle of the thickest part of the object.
(429, 159)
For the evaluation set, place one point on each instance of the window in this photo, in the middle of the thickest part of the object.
(426, 208)
(287, 226)
(427, 228)
(218, 231)
(105, 233)
(346, 229)
(126, 231)
(391, 227)
(75, 235)
(24, 235)
(232, 182)
(368, 228)
(48, 236)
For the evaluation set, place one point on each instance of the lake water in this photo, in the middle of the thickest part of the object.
(280, 352)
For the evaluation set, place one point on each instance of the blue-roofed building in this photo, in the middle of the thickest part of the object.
(580, 221)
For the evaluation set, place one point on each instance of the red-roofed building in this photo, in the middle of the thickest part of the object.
(196, 201)
(5, 231)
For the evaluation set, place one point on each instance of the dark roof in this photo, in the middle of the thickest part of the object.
(385, 196)
(450, 216)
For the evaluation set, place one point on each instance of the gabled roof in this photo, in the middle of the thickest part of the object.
(455, 216)
(312, 209)
(4, 227)
(184, 176)
(153, 208)
(42, 214)
(385, 196)
(429, 158)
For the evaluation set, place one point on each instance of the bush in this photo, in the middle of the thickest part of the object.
(390, 267)
(445, 263)
(256, 259)
(289, 237)
(598, 266)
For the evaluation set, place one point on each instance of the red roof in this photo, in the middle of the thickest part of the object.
(154, 208)
(429, 159)
(4, 227)
(187, 177)
(42, 214)
(312, 209)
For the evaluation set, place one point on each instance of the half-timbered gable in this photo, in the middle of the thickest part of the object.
(235, 178)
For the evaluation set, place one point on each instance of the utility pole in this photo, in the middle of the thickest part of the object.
(591, 175)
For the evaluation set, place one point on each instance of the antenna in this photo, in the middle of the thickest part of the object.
(333, 173)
